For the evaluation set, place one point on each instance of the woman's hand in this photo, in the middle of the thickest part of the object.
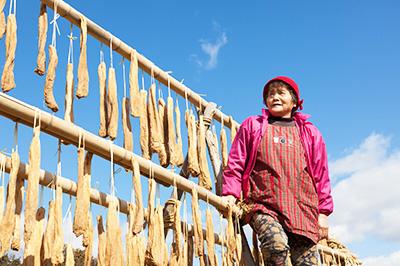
(230, 199)
(323, 226)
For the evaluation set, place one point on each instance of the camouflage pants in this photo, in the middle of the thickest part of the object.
(281, 248)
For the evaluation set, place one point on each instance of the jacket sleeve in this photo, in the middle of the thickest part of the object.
(321, 174)
(234, 170)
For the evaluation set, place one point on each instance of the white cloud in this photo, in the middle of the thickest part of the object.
(391, 260)
(211, 50)
(367, 202)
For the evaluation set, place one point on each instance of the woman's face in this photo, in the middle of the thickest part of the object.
(280, 102)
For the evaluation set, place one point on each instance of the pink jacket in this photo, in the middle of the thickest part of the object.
(242, 158)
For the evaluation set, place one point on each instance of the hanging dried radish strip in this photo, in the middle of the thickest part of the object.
(50, 78)
(48, 237)
(81, 220)
(69, 261)
(162, 114)
(57, 256)
(193, 161)
(101, 254)
(34, 244)
(19, 198)
(210, 239)
(224, 147)
(2, 19)
(88, 241)
(129, 235)
(233, 129)
(7, 78)
(8, 220)
(178, 148)
(230, 237)
(83, 73)
(134, 86)
(177, 252)
(69, 94)
(32, 192)
(139, 250)
(144, 126)
(197, 226)
(239, 247)
(171, 135)
(139, 210)
(102, 73)
(126, 124)
(204, 177)
(114, 252)
(42, 35)
(156, 247)
(112, 104)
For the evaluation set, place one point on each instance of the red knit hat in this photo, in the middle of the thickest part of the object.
(291, 84)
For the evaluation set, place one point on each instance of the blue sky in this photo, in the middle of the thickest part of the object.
(343, 54)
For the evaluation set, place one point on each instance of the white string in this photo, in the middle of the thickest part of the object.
(55, 25)
(16, 136)
(15, 7)
(41, 195)
(101, 53)
(123, 75)
(169, 83)
(58, 165)
(142, 80)
(152, 76)
(71, 38)
(111, 53)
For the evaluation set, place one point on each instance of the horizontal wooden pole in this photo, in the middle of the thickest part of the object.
(105, 37)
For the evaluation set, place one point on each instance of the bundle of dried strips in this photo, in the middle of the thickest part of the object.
(162, 114)
(57, 256)
(33, 245)
(42, 35)
(204, 177)
(50, 78)
(81, 220)
(69, 260)
(177, 252)
(112, 104)
(8, 220)
(224, 147)
(126, 125)
(134, 86)
(7, 78)
(210, 239)
(114, 249)
(69, 94)
(48, 237)
(102, 74)
(193, 160)
(233, 129)
(88, 241)
(83, 73)
(19, 198)
(101, 254)
(138, 250)
(171, 135)
(156, 144)
(156, 252)
(2, 19)
(137, 226)
(178, 148)
(197, 226)
(32, 192)
(230, 237)
(144, 126)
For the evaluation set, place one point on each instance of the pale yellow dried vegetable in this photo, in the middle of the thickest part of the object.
(233, 129)
(224, 147)
(156, 144)
(69, 94)
(176, 251)
(171, 135)
(101, 253)
(8, 220)
(162, 114)
(57, 256)
(190, 250)
(50, 78)
(210, 239)
(204, 177)
(81, 221)
(7, 78)
(134, 86)
(239, 248)
(33, 246)
(230, 237)
(83, 73)
(69, 261)
(144, 126)
(129, 235)
(112, 104)
(126, 125)
(138, 254)
(156, 252)
(2, 19)
(48, 237)
(178, 148)
(102, 74)
(197, 226)
(1, 202)
(88, 241)
(42, 35)
(137, 227)
(32, 192)
(193, 161)
(114, 252)
(19, 198)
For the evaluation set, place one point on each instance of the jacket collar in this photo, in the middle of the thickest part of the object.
(300, 118)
